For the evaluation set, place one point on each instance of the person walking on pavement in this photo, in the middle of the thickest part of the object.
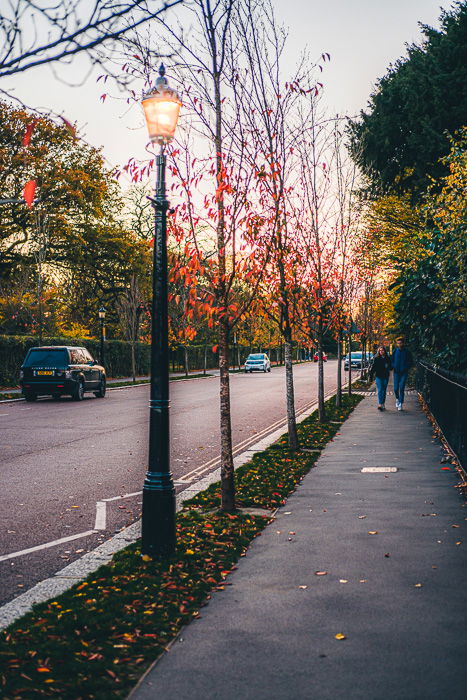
(381, 366)
(401, 363)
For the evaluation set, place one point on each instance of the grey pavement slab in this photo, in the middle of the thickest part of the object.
(271, 634)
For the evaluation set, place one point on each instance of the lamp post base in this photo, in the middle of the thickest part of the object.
(158, 522)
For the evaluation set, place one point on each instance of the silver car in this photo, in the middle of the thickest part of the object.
(257, 362)
(358, 359)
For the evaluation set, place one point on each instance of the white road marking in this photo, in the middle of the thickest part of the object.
(101, 515)
(62, 540)
(125, 495)
(4, 414)
(101, 509)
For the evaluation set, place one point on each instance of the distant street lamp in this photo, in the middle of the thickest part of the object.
(161, 106)
(102, 338)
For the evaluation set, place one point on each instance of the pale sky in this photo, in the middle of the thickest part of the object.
(362, 36)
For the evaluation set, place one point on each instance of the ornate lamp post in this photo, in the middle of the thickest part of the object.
(161, 107)
(102, 337)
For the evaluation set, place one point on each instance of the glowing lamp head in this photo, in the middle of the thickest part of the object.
(102, 313)
(161, 105)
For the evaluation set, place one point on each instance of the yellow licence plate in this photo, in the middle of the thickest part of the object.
(43, 372)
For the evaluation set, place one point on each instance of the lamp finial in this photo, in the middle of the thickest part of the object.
(161, 83)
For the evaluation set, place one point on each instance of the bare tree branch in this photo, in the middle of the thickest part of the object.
(39, 32)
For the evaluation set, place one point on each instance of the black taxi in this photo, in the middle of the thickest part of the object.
(58, 370)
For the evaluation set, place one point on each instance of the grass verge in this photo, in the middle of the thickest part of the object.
(4, 396)
(115, 385)
(191, 376)
(111, 385)
(97, 638)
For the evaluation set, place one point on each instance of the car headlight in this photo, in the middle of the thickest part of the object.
(21, 374)
(68, 374)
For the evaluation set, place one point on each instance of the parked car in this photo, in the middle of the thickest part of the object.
(357, 359)
(315, 357)
(59, 370)
(257, 362)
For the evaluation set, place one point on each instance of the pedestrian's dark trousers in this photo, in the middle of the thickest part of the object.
(399, 385)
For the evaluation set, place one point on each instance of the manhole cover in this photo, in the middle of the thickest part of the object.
(378, 470)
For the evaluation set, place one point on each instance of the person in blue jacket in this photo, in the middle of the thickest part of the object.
(401, 363)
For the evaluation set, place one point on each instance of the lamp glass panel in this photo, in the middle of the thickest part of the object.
(161, 118)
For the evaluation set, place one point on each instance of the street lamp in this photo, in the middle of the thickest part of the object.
(161, 107)
(101, 313)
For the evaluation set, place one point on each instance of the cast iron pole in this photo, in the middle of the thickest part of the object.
(101, 347)
(158, 522)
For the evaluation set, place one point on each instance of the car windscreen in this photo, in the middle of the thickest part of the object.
(356, 355)
(45, 357)
(256, 357)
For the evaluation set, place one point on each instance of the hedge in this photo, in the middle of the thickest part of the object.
(13, 350)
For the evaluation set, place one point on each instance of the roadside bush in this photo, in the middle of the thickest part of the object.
(13, 349)
(117, 355)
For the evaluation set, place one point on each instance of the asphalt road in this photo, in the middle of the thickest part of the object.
(59, 459)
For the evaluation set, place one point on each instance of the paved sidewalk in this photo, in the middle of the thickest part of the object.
(271, 634)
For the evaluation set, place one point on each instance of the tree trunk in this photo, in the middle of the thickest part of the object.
(291, 421)
(205, 366)
(185, 360)
(339, 370)
(321, 408)
(227, 467)
(39, 300)
(349, 389)
(133, 362)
